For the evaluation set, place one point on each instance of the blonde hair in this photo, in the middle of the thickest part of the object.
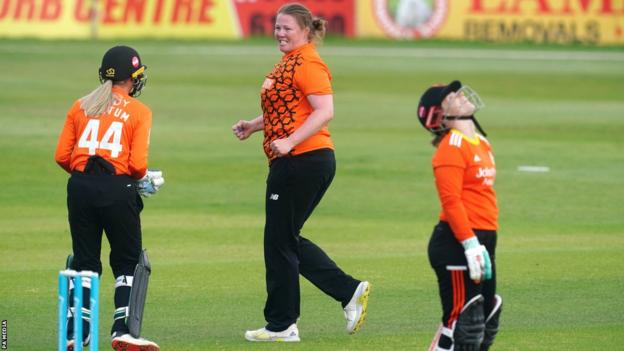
(304, 18)
(99, 100)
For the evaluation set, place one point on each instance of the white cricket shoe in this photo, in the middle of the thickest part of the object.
(289, 335)
(355, 310)
(127, 342)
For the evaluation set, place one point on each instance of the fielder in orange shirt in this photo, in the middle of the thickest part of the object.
(463, 244)
(297, 105)
(104, 146)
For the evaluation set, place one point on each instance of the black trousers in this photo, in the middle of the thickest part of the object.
(109, 203)
(295, 186)
(447, 258)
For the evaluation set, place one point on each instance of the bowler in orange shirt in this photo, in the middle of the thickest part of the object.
(297, 105)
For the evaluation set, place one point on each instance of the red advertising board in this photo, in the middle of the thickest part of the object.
(257, 17)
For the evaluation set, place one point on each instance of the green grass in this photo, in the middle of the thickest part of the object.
(561, 232)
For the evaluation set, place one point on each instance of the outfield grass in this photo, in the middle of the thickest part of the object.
(561, 236)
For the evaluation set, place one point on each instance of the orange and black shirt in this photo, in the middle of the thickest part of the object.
(285, 108)
(120, 135)
(464, 172)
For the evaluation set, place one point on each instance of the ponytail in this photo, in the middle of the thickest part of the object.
(99, 100)
(317, 30)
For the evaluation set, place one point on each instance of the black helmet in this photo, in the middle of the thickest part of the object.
(121, 63)
(430, 106)
(430, 112)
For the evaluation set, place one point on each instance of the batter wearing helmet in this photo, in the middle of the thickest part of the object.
(463, 244)
(104, 146)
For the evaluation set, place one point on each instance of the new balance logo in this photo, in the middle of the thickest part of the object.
(274, 196)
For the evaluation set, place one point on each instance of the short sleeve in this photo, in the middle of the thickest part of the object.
(313, 78)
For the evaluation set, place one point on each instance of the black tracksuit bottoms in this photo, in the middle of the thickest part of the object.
(295, 186)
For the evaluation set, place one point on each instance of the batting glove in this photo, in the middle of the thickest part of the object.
(151, 183)
(479, 264)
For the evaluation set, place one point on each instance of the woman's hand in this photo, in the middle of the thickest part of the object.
(281, 147)
(243, 129)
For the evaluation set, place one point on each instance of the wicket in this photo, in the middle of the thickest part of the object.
(94, 299)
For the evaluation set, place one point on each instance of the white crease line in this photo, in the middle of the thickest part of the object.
(534, 169)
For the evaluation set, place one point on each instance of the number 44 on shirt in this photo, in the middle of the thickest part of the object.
(111, 140)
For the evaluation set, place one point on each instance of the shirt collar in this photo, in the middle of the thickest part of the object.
(304, 47)
(474, 141)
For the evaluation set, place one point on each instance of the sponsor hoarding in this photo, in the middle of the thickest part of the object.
(118, 18)
(590, 22)
(45, 18)
(256, 17)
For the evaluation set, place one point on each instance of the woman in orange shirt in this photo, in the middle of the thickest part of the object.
(462, 246)
(104, 145)
(297, 105)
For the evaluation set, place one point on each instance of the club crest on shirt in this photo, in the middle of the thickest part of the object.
(268, 83)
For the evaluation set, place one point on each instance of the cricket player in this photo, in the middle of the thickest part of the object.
(297, 105)
(104, 147)
(463, 244)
